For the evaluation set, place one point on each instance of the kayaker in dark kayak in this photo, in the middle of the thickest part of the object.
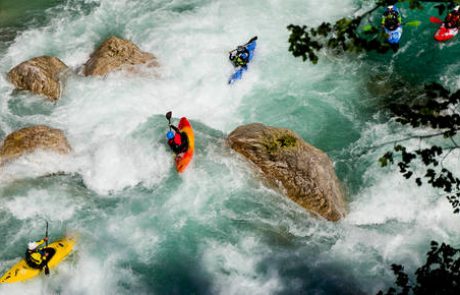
(391, 18)
(36, 256)
(453, 18)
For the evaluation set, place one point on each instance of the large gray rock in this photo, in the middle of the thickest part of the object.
(304, 172)
(30, 139)
(41, 75)
(115, 54)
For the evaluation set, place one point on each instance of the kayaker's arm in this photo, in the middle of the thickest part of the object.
(175, 128)
(41, 242)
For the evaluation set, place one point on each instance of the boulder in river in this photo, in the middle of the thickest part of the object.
(41, 75)
(115, 54)
(30, 139)
(303, 172)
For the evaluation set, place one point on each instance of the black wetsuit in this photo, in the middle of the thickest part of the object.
(181, 148)
(36, 264)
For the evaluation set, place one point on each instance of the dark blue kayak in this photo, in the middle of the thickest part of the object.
(238, 74)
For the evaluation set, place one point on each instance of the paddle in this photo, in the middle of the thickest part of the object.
(47, 270)
(435, 20)
(367, 28)
(249, 42)
(168, 117)
(414, 23)
(252, 39)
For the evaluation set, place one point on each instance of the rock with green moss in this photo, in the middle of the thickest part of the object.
(117, 54)
(303, 172)
(41, 75)
(30, 139)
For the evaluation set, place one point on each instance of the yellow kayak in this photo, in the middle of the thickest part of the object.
(21, 271)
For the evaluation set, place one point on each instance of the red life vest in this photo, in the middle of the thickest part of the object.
(177, 138)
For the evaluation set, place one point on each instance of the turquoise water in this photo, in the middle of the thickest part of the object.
(217, 229)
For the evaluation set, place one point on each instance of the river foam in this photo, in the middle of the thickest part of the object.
(216, 229)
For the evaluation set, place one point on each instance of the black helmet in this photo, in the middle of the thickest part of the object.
(240, 49)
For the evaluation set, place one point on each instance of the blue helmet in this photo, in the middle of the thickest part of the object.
(170, 135)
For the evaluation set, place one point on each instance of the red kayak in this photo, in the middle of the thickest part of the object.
(444, 34)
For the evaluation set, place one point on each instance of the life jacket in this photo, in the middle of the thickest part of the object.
(179, 144)
(241, 59)
(177, 138)
(34, 259)
(391, 19)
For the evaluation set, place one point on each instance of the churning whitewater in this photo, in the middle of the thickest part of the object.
(218, 228)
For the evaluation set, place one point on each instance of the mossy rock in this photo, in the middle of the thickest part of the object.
(280, 141)
(303, 172)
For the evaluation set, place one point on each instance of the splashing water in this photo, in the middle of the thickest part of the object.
(215, 229)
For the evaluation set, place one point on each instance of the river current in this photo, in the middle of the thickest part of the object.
(216, 229)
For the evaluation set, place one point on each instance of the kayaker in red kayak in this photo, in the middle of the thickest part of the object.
(177, 140)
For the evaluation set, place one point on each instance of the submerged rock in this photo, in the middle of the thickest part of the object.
(304, 172)
(115, 54)
(30, 139)
(41, 75)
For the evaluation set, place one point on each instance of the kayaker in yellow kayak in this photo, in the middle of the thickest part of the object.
(36, 256)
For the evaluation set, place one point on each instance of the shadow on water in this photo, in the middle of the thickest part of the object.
(176, 272)
(303, 277)
(177, 266)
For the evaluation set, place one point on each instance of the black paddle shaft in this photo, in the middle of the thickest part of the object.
(168, 117)
(47, 270)
(46, 234)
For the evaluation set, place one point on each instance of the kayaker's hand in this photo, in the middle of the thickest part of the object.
(46, 239)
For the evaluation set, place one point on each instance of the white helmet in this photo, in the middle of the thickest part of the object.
(32, 246)
(390, 7)
(457, 7)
